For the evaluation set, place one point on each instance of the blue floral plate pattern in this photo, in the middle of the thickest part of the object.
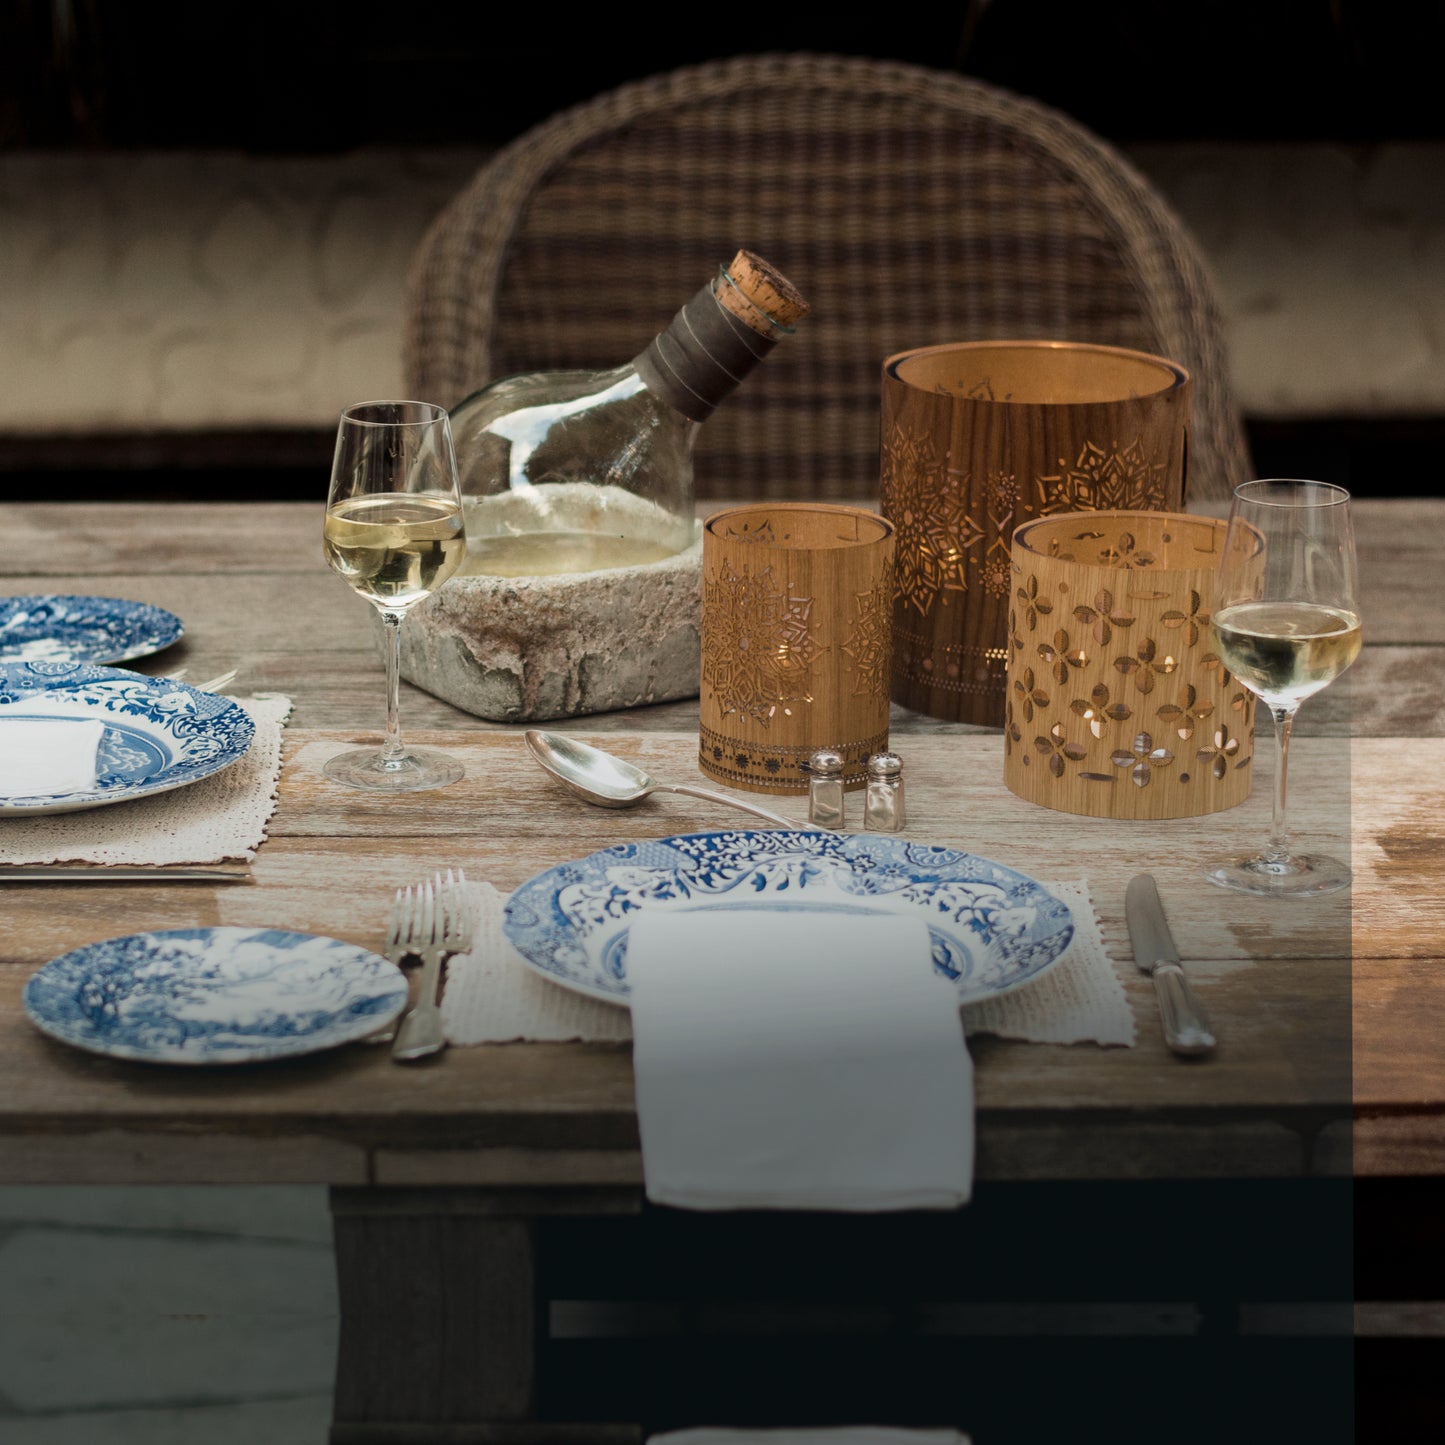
(58, 628)
(214, 995)
(158, 735)
(992, 928)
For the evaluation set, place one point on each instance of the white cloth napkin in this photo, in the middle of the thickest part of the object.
(793, 1060)
(839, 1435)
(43, 757)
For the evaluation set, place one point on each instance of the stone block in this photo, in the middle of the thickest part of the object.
(525, 649)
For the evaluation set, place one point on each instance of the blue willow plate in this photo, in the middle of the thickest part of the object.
(158, 735)
(214, 995)
(57, 628)
(992, 928)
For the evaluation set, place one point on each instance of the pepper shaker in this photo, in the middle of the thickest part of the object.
(883, 804)
(825, 789)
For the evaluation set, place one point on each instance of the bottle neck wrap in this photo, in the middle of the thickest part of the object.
(701, 356)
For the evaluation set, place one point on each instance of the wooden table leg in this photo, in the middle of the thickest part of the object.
(441, 1320)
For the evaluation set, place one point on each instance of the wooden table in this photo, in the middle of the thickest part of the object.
(1331, 1014)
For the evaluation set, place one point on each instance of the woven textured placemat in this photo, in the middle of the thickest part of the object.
(220, 819)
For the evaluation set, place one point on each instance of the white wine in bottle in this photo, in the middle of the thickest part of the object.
(575, 471)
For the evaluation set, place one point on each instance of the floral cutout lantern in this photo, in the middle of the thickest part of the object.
(1116, 704)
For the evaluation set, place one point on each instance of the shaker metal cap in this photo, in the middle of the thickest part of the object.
(885, 765)
(825, 763)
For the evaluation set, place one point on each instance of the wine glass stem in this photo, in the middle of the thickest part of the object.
(392, 750)
(1278, 850)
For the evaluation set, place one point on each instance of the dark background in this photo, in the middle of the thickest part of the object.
(306, 77)
(301, 77)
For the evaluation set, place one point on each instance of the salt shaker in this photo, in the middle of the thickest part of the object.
(883, 803)
(825, 789)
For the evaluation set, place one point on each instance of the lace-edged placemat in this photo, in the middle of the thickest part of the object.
(220, 819)
(492, 996)
(1081, 1000)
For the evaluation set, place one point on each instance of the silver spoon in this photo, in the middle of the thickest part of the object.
(610, 782)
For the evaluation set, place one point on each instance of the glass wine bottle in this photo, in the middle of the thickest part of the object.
(576, 471)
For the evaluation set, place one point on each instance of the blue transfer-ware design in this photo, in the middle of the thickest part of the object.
(992, 927)
(214, 995)
(158, 735)
(58, 628)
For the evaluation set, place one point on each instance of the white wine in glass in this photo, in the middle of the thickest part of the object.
(394, 531)
(1286, 623)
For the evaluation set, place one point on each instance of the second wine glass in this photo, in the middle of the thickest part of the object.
(394, 531)
(1286, 623)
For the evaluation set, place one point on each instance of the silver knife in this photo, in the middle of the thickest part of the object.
(114, 873)
(1186, 1030)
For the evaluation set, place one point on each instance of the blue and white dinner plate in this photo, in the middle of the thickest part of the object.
(59, 628)
(992, 928)
(158, 735)
(214, 995)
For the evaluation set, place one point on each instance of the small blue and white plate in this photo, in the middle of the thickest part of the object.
(992, 928)
(214, 995)
(58, 628)
(158, 735)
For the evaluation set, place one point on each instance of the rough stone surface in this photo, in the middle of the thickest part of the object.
(179, 290)
(99, 1318)
(525, 649)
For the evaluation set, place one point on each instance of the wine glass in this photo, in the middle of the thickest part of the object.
(1286, 623)
(394, 531)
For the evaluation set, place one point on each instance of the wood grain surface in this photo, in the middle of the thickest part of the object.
(1276, 981)
(254, 591)
(1319, 1006)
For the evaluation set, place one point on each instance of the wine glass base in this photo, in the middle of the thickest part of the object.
(415, 770)
(1303, 875)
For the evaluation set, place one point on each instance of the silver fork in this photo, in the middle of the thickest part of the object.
(399, 931)
(398, 947)
(438, 927)
(211, 684)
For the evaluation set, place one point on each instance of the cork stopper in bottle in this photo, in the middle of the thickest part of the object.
(719, 336)
(758, 282)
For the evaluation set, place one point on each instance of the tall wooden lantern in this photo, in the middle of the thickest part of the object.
(978, 437)
(795, 642)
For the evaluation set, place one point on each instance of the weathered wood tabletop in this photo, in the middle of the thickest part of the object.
(1331, 1014)
(1280, 980)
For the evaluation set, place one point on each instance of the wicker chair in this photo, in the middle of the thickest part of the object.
(910, 207)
